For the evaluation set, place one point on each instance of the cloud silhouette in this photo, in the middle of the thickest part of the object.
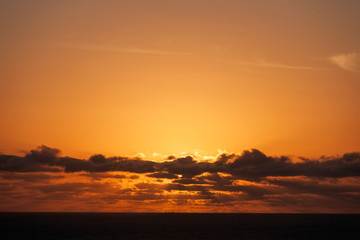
(251, 165)
(349, 61)
(249, 179)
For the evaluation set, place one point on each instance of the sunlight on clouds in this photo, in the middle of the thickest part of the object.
(247, 182)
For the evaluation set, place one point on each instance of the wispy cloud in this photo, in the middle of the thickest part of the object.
(262, 63)
(115, 49)
(349, 61)
(135, 50)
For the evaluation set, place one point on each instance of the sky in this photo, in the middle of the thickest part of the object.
(164, 83)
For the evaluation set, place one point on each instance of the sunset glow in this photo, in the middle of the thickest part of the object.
(180, 106)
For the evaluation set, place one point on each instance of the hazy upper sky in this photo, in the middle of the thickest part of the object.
(161, 76)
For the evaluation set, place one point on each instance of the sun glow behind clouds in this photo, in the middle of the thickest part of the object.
(42, 180)
(166, 84)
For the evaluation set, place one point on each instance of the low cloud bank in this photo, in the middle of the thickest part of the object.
(251, 165)
(42, 180)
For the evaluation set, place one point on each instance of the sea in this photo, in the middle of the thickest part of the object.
(172, 226)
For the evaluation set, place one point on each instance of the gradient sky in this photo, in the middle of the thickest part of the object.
(153, 78)
(123, 77)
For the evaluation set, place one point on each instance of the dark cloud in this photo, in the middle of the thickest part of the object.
(250, 165)
(231, 181)
(99, 176)
(163, 175)
(216, 178)
(73, 187)
(186, 181)
(98, 159)
(185, 166)
(29, 176)
(23, 164)
(255, 165)
(45, 159)
(75, 165)
(44, 155)
(316, 187)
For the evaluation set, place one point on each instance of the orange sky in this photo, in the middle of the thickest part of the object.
(168, 77)
(151, 78)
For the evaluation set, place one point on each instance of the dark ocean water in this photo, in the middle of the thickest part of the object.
(106, 226)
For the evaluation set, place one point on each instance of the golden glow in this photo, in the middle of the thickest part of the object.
(114, 191)
(133, 76)
(149, 79)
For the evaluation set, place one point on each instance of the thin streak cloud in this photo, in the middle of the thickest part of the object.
(115, 49)
(262, 63)
(258, 63)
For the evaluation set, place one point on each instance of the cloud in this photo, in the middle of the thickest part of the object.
(250, 165)
(163, 175)
(265, 64)
(29, 177)
(250, 180)
(349, 61)
(101, 176)
(147, 51)
(116, 49)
